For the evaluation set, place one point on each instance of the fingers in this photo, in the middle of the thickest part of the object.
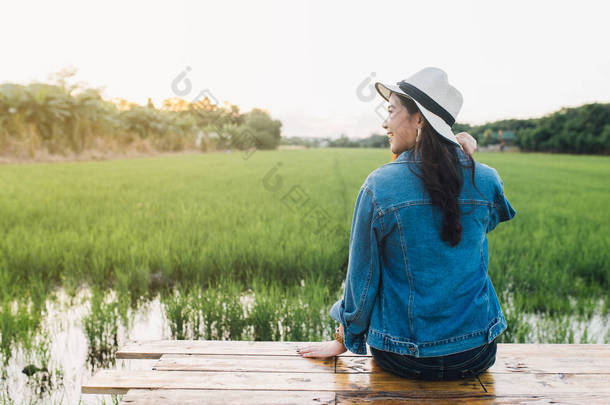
(311, 351)
(307, 351)
(467, 143)
(326, 349)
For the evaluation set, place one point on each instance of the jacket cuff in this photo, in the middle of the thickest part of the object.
(353, 343)
(335, 312)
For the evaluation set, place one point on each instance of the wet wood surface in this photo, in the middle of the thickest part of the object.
(214, 397)
(212, 372)
(507, 361)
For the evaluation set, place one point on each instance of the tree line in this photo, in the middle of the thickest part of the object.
(65, 118)
(372, 141)
(581, 130)
(70, 119)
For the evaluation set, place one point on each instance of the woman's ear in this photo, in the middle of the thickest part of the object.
(420, 119)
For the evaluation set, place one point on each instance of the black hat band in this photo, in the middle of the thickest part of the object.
(427, 102)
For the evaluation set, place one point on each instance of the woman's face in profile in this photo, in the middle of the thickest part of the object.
(401, 126)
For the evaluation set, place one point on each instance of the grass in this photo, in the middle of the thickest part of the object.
(558, 245)
(204, 230)
(101, 329)
(265, 312)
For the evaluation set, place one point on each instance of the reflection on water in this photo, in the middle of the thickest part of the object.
(58, 363)
(68, 351)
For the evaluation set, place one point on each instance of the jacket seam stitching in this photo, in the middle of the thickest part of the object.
(411, 203)
(376, 207)
(369, 273)
(406, 340)
(489, 218)
(372, 195)
(404, 253)
(417, 161)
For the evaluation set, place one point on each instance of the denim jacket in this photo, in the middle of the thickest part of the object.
(407, 291)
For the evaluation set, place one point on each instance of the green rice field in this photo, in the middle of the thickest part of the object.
(254, 246)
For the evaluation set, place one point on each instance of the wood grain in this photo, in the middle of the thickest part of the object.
(250, 397)
(215, 397)
(238, 372)
(506, 362)
(119, 382)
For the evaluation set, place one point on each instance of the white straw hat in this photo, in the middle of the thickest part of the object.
(438, 101)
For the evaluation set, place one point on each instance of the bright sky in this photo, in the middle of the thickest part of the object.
(306, 61)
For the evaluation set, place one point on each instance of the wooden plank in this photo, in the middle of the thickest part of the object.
(244, 363)
(505, 363)
(398, 399)
(249, 397)
(273, 373)
(119, 382)
(504, 384)
(555, 349)
(155, 349)
(215, 397)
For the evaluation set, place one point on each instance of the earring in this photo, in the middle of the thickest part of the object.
(418, 135)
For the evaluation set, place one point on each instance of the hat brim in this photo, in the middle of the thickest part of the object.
(386, 90)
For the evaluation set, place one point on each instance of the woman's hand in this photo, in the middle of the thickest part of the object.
(467, 142)
(323, 349)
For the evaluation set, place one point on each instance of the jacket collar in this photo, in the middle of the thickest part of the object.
(410, 156)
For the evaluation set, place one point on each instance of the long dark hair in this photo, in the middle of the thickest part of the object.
(441, 174)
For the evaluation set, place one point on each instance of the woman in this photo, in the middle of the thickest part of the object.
(417, 288)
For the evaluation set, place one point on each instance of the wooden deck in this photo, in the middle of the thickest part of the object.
(215, 372)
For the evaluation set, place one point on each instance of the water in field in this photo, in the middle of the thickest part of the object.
(69, 363)
(67, 352)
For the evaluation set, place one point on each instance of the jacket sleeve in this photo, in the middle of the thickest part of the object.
(363, 273)
(501, 210)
